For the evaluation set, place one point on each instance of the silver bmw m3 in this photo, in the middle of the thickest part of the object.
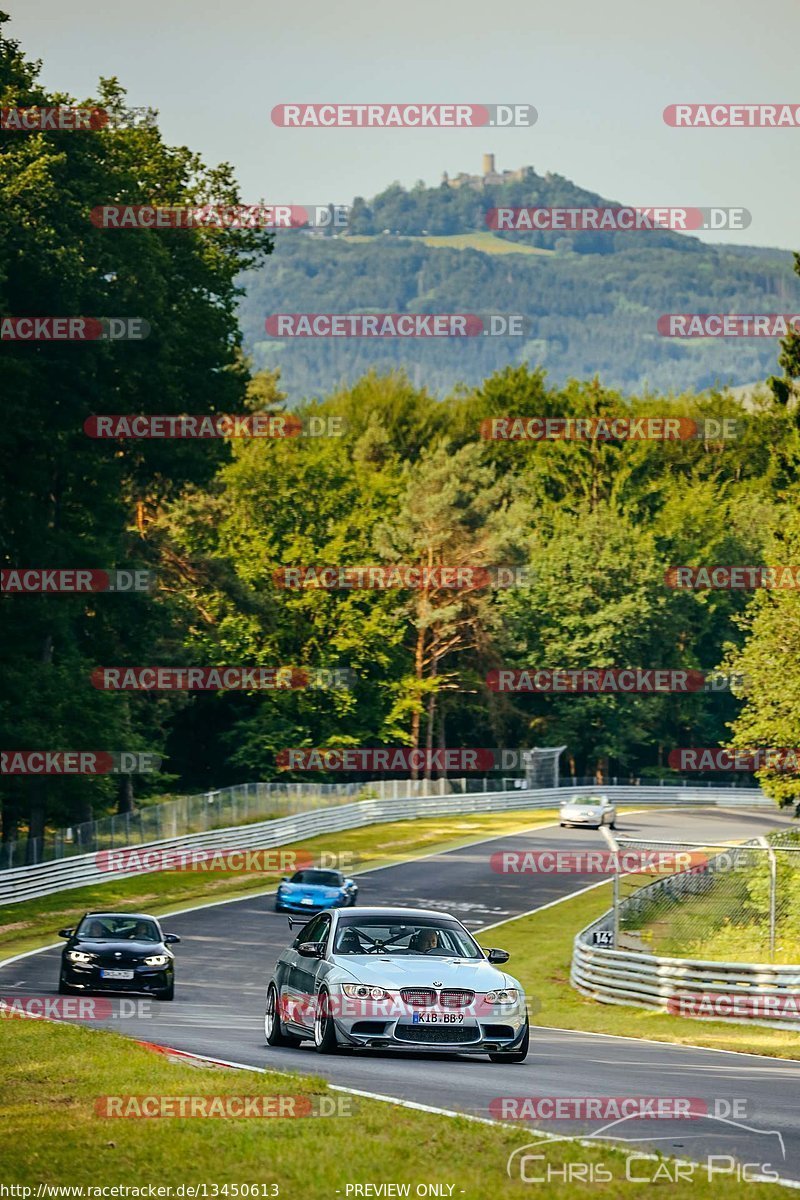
(395, 978)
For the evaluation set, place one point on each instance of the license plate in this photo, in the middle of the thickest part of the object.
(432, 1018)
(306, 901)
(116, 974)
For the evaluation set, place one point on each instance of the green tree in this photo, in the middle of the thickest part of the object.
(70, 500)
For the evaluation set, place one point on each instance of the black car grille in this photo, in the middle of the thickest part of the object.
(456, 998)
(447, 998)
(419, 997)
(442, 1035)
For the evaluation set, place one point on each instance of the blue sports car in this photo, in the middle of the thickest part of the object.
(313, 889)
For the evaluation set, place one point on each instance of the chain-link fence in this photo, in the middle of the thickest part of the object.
(247, 802)
(238, 805)
(721, 903)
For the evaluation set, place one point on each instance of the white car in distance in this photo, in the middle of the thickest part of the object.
(591, 811)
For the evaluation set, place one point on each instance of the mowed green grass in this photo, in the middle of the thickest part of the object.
(35, 923)
(52, 1077)
(483, 240)
(541, 952)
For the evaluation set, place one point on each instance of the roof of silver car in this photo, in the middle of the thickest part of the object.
(395, 911)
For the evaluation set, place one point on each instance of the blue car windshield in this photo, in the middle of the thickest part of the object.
(319, 878)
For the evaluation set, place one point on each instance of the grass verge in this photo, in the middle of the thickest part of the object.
(481, 240)
(541, 949)
(53, 1075)
(34, 923)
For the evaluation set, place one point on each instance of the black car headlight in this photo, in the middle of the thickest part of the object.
(79, 956)
(157, 960)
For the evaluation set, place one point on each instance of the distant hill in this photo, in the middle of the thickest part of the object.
(592, 298)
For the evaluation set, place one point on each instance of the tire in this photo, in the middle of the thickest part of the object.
(353, 900)
(613, 825)
(63, 987)
(278, 907)
(515, 1056)
(273, 1030)
(168, 993)
(325, 1041)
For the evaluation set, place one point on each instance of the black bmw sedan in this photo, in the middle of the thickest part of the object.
(118, 952)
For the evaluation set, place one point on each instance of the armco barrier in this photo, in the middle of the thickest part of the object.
(27, 883)
(697, 988)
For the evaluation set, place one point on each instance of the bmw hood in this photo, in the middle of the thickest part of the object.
(125, 947)
(400, 972)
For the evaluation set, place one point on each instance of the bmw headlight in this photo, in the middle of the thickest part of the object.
(78, 956)
(360, 991)
(157, 960)
(503, 996)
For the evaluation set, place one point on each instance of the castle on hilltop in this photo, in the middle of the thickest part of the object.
(489, 176)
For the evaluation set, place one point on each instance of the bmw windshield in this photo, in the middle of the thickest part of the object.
(377, 935)
(111, 928)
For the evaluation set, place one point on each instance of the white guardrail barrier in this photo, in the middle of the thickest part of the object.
(741, 993)
(42, 879)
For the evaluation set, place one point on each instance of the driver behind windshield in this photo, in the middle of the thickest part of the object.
(424, 940)
(142, 932)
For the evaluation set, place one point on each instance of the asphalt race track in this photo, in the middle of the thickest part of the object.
(227, 952)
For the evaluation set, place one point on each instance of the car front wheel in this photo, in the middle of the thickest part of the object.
(63, 987)
(324, 1030)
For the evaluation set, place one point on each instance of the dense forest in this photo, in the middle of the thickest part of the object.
(592, 299)
(410, 479)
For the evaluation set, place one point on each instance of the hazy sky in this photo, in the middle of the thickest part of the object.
(598, 74)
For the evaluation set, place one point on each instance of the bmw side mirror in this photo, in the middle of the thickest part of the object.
(66, 933)
(498, 956)
(284, 878)
(170, 939)
(311, 949)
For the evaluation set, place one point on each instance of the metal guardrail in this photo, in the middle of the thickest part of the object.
(739, 993)
(240, 803)
(43, 879)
